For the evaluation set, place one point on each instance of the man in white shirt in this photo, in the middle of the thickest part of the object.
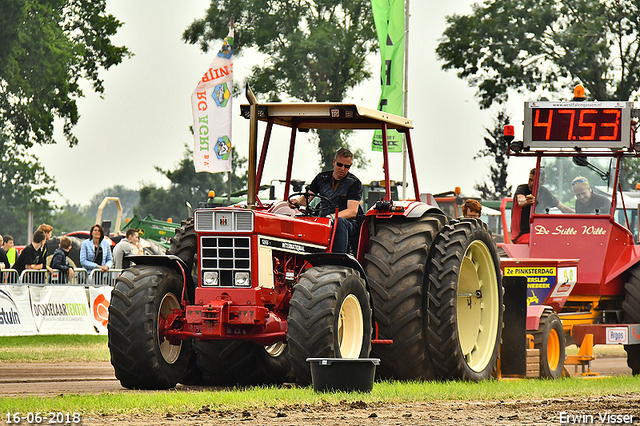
(127, 246)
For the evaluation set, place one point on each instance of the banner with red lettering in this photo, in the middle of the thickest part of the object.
(211, 103)
(99, 300)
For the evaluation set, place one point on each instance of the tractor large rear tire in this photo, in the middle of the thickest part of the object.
(329, 317)
(242, 363)
(140, 301)
(631, 310)
(396, 266)
(185, 243)
(464, 302)
(549, 339)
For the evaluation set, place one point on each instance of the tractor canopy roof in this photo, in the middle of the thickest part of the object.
(327, 115)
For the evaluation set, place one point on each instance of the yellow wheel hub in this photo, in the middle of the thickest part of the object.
(169, 352)
(478, 306)
(350, 327)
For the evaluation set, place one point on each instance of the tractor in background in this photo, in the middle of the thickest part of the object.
(579, 146)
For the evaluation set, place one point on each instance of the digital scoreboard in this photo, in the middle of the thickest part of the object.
(593, 124)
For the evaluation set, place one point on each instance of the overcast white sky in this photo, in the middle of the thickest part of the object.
(143, 120)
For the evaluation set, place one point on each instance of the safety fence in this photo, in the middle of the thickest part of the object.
(36, 302)
(81, 277)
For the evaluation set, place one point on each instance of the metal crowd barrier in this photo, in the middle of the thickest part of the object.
(98, 277)
(43, 277)
(9, 276)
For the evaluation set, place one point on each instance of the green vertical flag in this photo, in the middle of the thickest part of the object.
(389, 19)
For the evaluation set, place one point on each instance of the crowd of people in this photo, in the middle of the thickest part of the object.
(95, 253)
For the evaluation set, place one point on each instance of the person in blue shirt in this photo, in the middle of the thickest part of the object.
(95, 252)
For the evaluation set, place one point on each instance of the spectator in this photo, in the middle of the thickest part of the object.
(472, 209)
(127, 246)
(48, 231)
(344, 190)
(524, 199)
(4, 262)
(29, 259)
(59, 260)
(95, 252)
(8, 248)
(588, 201)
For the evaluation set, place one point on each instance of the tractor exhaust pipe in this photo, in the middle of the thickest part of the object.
(253, 147)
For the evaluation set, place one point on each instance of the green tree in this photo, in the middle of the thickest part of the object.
(546, 45)
(47, 48)
(187, 185)
(71, 217)
(496, 149)
(24, 186)
(316, 50)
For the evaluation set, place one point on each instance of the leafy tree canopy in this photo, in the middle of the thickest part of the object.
(24, 186)
(533, 45)
(46, 48)
(316, 50)
(187, 185)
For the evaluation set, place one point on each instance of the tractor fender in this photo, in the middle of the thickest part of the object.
(343, 259)
(422, 209)
(170, 261)
(534, 313)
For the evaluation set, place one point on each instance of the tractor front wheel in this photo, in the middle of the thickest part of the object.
(329, 317)
(140, 302)
(549, 339)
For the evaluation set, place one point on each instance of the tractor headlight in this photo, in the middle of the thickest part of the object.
(210, 278)
(242, 279)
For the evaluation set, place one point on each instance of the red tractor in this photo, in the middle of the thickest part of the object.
(248, 293)
(581, 264)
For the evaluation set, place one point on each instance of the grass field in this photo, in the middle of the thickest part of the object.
(88, 348)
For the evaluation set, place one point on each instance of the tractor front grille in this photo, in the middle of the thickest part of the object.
(228, 259)
(207, 220)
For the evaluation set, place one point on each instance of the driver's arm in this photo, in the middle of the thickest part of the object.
(300, 201)
(351, 211)
(565, 209)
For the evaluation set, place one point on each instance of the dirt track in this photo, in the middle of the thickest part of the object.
(64, 378)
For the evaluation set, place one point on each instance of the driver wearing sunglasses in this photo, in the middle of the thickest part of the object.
(345, 192)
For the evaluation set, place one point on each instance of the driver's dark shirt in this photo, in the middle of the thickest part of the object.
(349, 188)
(544, 200)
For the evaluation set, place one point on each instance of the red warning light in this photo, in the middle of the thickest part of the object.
(509, 130)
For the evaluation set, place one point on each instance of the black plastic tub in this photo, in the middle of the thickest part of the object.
(343, 374)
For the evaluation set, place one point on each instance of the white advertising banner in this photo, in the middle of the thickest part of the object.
(211, 103)
(15, 311)
(61, 310)
(99, 300)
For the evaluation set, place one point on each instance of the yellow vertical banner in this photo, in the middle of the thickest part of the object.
(389, 17)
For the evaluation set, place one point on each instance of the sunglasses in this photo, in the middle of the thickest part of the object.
(346, 166)
(577, 181)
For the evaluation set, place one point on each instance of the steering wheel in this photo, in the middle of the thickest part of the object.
(309, 211)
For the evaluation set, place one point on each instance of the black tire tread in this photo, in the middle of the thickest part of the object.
(132, 330)
(443, 343)
(312, 317)
(548, 320)
(396, 269)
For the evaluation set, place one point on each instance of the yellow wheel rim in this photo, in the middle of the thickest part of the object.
(553, 349)
(478, 306)
(169, 352)
(350, 327)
